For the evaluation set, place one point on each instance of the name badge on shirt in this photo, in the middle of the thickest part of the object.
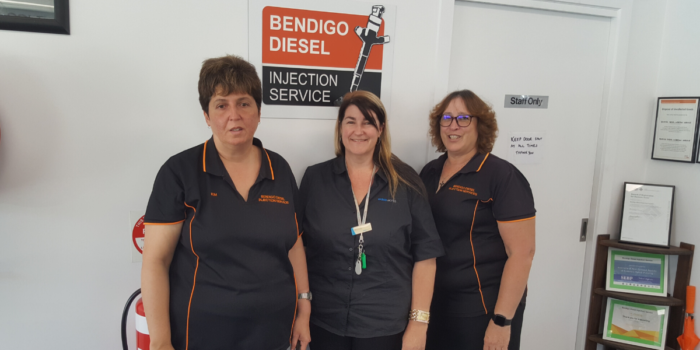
(361, 229)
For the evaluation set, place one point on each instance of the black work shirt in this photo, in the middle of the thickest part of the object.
(231, 281)
(377, 302)
(467, 209)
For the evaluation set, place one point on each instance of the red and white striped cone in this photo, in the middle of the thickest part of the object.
(143, 340)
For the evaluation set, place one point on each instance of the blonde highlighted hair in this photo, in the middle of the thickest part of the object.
(396, 171)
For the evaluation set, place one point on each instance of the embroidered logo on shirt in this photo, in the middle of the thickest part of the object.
(273, 199)
(390, 200)
(214, 194)
(467, 190)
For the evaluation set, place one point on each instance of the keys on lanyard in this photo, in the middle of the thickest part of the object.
(361, 228)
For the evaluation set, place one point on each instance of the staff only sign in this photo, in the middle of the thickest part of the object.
(310, 54)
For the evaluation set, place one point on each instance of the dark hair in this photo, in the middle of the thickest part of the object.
(226, 75)
(396, 170)
(487, 127)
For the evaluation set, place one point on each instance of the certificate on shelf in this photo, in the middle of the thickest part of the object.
(636, 324)
(636, 272)
(675, 134)
(646, 214)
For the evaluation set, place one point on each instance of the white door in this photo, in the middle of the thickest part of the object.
(502, 50)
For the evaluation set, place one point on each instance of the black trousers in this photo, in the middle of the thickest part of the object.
(467, 333)
(322, 339)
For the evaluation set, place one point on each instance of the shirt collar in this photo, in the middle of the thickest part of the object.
(212, 163)
(340, 167)
(472, 166)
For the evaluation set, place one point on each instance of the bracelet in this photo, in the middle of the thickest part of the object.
(419, 316)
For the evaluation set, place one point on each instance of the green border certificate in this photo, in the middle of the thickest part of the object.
(638, 273)
(637, 324)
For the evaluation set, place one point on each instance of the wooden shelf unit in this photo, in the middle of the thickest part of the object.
(599, 295)
(598, 338)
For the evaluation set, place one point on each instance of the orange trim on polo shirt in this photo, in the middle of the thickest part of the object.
(474, 257)
(297, 223)
(296, 305)
(271, 172)
(163, 223)
(482, 162)
(194, 282)
(204, 157)
(530, 218)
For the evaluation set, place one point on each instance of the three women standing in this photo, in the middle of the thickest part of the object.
(224, 262)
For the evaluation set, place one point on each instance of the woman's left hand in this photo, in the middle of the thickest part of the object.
(496, 337)
(414, 336)
(301, 333)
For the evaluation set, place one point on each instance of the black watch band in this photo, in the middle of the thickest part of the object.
(500, 320)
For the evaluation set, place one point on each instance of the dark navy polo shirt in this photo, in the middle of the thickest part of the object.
(231, 282)
(377, 302)
(467, 209)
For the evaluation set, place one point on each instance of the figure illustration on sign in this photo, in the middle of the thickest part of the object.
(369, 38)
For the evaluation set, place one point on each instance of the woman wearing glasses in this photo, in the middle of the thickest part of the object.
(485, 214)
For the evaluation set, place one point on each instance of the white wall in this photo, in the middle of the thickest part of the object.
(678, 75)
(88, 119)
(661, 63)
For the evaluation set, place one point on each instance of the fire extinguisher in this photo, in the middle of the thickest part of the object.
(143, 340)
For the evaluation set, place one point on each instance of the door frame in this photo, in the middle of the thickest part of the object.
(620, 14)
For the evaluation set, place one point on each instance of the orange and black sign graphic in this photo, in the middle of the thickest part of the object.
(313, 58)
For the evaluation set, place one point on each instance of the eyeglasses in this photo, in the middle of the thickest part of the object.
(462, 120)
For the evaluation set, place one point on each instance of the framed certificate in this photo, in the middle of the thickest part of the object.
(646, 214)
(636, 272)
(676, 129)
(636, 324)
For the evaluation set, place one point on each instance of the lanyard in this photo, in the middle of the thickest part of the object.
(361, 227)
(361, 220)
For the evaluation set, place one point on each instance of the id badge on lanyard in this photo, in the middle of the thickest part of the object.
(361, 228)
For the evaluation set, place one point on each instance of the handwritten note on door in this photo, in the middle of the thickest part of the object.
(526, 147)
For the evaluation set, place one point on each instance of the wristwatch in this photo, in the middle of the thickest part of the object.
(501, 321)
(305, 296)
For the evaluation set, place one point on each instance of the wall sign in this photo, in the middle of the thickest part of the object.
(526, 101)
(675, 132)
(310, 54)
(526, 147)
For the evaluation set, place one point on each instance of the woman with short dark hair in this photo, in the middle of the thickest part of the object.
(485, 214)
(223, 262)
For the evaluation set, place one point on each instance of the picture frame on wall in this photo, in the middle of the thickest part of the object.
(637, 272)
(636, 324)
(647, 211)
(40, 16)
(676, 129)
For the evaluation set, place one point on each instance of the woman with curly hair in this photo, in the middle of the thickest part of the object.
(485, 214)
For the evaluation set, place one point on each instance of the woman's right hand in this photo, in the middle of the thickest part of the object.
(301, 333)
